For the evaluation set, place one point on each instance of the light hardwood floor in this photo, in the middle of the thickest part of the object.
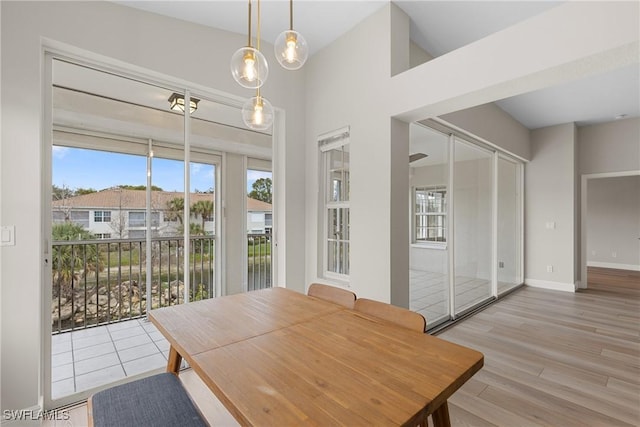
(555, 358)
(551, 359)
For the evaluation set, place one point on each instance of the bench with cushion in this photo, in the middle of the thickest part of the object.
(156, 401)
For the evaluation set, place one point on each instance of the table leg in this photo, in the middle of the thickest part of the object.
(173, 364)
(441, 416)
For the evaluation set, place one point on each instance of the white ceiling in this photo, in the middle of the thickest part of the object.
(438, 27)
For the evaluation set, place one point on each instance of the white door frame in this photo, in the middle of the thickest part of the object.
(582, 284)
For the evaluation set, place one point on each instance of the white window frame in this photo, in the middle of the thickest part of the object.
(414, 217)
(99, 216)
(326, 143)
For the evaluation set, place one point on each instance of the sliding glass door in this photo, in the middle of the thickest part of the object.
(472, 225)
(429, 251)
(466, 223)
(136, 182)
(509, 232)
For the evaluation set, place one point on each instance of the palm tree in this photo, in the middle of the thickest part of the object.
(72, 262)
(196, 230)
(204, 208)
(175, 208)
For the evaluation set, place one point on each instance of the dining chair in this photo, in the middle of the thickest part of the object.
(332, 294)
(398, 315)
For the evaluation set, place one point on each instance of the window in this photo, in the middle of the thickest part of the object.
(103, 235)
(139, 219)
(334, 158)
(80, 218)
(102, 216)
(137, 234)
(430, 214)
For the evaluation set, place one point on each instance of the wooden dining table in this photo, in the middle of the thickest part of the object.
(276, 357)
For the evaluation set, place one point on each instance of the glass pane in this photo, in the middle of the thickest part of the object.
(337, 164)
(338, 240)
(202, 229)
(509, 226)
(259, 228)
(473, 169)
(429, 178)
(102, 127)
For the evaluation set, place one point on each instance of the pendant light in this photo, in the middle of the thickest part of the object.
(290, 47)
(248, 65)
(257, 112)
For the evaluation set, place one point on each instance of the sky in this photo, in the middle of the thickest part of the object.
(79, 168)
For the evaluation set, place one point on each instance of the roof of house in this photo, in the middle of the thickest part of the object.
(117, 198)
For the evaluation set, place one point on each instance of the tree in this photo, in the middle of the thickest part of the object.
(81, 191)
(175, 209)
(195, 230)
(71, 262)
(204, 208)
(262, 190)
(139, 187)
(61, 193)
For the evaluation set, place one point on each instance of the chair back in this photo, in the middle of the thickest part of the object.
(332, 294)
(400, 316)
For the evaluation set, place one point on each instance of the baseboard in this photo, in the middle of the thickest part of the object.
(546, 284)
(632, 267)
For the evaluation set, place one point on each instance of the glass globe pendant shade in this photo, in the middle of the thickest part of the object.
(257, 113)
(249, 67)
(291, 50)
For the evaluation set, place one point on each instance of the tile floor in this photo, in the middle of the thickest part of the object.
(91, 357)
(429, 294)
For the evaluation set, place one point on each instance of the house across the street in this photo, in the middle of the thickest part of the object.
(119, 213)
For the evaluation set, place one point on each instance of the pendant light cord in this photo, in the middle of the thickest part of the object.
(258, 35)
(258, 43)
(249, 20)
(291, 15)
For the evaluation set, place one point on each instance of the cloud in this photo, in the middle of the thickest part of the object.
(255, 175)
(59, 152)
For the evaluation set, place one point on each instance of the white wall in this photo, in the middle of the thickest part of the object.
(550, 198)
(613, 222)
(347, 84)
(491, 123)
(609, 147)
(191, 53)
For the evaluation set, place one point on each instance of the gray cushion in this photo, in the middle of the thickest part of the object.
(156, 401)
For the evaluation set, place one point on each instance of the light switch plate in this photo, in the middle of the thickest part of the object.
(8, 235)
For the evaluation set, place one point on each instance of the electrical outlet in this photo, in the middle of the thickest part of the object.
(501, 264)
(549, 268)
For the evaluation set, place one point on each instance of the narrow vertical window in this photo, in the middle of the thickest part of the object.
(334, 161)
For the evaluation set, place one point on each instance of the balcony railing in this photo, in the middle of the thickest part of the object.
(259, 261)
(97, 282)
